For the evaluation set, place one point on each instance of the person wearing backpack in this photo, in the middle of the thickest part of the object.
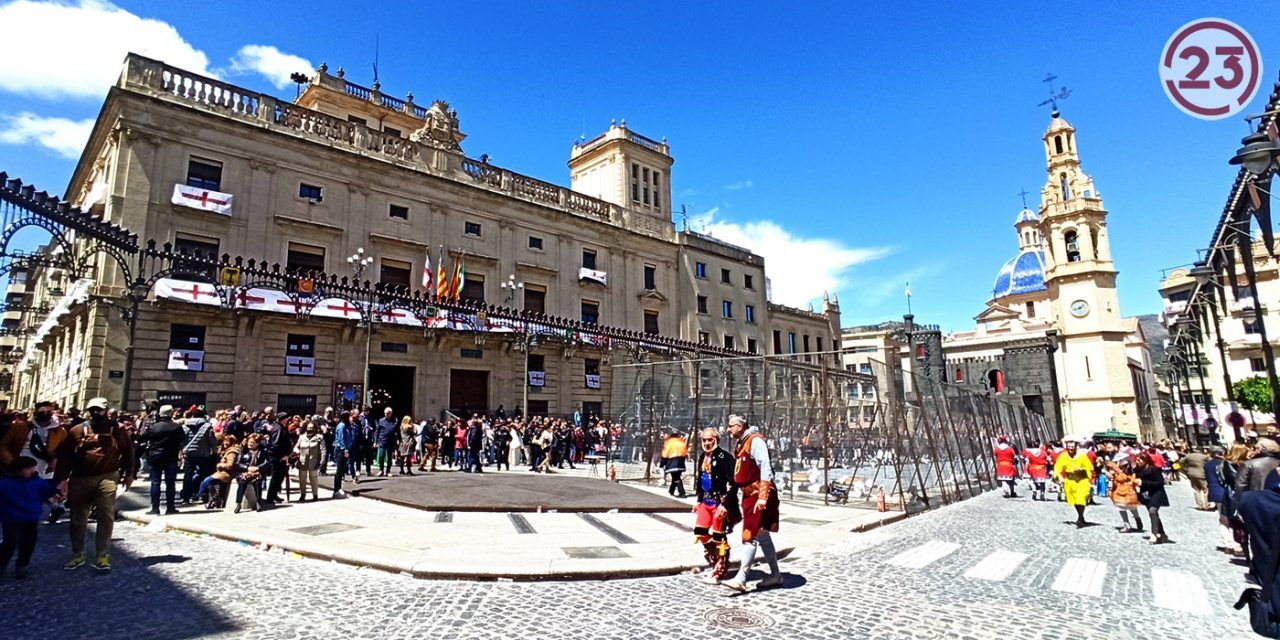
(197, 455)
(96, 456)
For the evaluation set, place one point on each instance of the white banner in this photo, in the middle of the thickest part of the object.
(299, 366)
(202, 199)
(338, 308)
(187, 291)
(593, 381)
(397, 315)
(593, 275)
(537, 378)
(186, 360)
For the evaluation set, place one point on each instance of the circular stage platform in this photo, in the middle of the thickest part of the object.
(516, 491)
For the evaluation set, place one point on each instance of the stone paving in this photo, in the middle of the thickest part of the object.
(906, 580)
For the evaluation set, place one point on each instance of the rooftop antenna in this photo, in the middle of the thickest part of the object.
(684, 217)
(1054, 94)
(1023, 193)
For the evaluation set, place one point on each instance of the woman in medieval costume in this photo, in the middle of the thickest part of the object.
(717, 509)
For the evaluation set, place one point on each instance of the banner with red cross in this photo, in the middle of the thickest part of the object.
(203, 199)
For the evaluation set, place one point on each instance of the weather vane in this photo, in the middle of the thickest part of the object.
(1023, 193)
(1054, 94)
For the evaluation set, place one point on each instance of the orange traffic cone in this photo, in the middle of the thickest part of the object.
(880, 505)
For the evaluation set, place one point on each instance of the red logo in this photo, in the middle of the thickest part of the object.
(1210, 68)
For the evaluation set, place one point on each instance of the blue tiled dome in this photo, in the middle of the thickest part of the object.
(1023, 273)
(1027, 215)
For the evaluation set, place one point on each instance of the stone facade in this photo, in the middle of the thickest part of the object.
(346, 168)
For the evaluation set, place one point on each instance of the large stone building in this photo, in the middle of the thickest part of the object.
(344, 170)
(1052, 333)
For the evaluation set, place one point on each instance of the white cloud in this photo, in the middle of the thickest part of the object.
(64, 137)
(273, 64)
(799, 269)
(740, 185)
(59, 49)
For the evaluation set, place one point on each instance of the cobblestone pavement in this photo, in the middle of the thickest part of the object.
(985, 568)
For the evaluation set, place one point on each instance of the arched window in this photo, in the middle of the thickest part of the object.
(1057, 144)
(1066, 188)
(995, 380)
(959, 375)
(1073, 246)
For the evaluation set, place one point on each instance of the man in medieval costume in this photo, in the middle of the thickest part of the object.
(753, 475)
(717, 508)
(1075, 470)
(1037, 458)
(1006, 466)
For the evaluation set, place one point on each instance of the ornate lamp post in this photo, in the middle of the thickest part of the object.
(510, 286)
(359, 262)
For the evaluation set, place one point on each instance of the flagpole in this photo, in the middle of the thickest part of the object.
(909, 299)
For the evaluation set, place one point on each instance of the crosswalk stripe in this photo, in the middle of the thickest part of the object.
(924, 555)
(997, 566)
(1179, 591)
(1082, 576)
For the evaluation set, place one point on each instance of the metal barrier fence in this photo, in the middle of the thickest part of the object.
(837, 436)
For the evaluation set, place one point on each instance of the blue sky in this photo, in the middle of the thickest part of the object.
(856, 145)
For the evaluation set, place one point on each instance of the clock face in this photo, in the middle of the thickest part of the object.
(1079, 308)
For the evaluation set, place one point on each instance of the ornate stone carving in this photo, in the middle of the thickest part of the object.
(441, 129)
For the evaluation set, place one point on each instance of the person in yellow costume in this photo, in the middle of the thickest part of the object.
(1074, 468)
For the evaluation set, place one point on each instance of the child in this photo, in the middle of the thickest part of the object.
(22, 494)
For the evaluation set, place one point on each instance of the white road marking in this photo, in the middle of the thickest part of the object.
(1081, 576)
(997, 566)
(1179, 591)
(924, 555)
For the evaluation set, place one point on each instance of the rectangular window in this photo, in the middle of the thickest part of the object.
(395, 273)
(657, 202)
(644, 173)
(398, 212)
(535, 243)
(588, 259)
(304, 260)
(536, 362)
(471, 228)
(702, 304)
(635, 182)
(1031, 309)
(204, 174)
(805, 340)
(751, 313)
(186, 347)
(700, 270)
(1257, 364)
(358, 120)
(391, 131)
(591, 371)
(201, 249)
(300, 355)
(791, 341)
(751, 346)
(310, 192)
(395, 347)
(728, 342)
(645, 191)
(473, 288)
(704, 337)
(288, 404)
(651, 322)
(650, 277)
(726, 308)
(590, 312)
(726, 277)
(748, 281)
(535, 300)
(1250, 327)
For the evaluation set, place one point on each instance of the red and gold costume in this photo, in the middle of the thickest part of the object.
(746, 476)
(1037, 463)
(1006, 468)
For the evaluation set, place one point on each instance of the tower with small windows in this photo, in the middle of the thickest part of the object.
(1095, 380)
(625, 168)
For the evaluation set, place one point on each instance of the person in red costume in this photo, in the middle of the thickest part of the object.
(1006, 466)
(753, 475)
(1038, 468)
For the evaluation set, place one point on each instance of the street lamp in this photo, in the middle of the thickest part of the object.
(510, 286)
(358, 263)
(1257, 155)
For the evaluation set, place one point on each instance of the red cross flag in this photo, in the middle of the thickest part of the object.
(186, 360)
(202, 199)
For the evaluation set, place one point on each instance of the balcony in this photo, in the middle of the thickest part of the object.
(1174, 307)
(1239, 306)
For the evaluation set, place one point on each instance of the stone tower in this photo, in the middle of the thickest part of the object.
(1095, 381)
(625, 168)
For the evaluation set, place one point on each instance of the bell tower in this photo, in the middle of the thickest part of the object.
(625, 168)
(1096, 384)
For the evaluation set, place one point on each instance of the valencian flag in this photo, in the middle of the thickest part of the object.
(459, 278)
(442, 278)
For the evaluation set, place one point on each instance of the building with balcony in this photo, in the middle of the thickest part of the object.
(209, 169)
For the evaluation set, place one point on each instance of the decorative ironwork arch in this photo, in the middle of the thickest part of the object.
(84, 263)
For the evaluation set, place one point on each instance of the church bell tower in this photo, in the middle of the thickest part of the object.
(1095, 381)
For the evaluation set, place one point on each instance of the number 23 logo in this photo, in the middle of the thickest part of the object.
(1230, 63)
